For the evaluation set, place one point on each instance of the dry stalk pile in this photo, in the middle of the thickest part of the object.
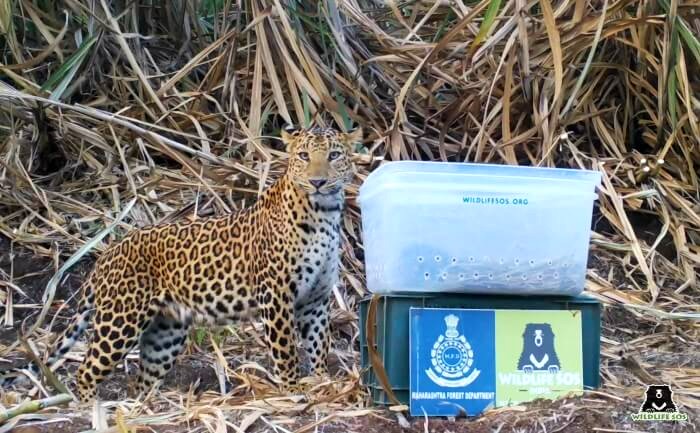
(176, 104)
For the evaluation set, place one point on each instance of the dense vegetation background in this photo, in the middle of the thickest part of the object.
(170, 109)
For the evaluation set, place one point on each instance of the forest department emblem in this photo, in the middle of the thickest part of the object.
(452, 357)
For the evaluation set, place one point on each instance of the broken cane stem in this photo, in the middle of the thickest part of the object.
(34, 406)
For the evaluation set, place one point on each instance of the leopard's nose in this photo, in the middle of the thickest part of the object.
(317, 183)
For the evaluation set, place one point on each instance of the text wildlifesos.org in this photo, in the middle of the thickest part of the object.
(501, 201)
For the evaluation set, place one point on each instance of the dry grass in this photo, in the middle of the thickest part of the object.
(173, 106)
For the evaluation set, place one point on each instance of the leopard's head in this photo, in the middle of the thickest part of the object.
(319, 159)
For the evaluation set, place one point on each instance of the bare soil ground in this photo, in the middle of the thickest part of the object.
(624, 370)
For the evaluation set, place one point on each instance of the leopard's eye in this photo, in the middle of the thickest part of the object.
(333, 155)
(304, 156)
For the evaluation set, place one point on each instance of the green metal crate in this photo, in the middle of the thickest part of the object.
(392, 332)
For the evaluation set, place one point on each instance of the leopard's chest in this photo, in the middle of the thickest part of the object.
(317, 266)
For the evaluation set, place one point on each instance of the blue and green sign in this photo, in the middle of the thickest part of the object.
(466, 361)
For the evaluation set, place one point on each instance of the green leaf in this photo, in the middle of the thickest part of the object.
(208, 8)
(489, 19)
(59, 80)
(691, 41)
(673, 98)
(672, 85)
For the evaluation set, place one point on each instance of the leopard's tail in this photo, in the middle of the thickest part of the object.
(75, 329)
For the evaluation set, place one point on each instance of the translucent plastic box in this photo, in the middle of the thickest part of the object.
(476, 228)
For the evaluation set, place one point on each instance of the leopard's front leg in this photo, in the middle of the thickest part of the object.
(278, 319)
(313, 320)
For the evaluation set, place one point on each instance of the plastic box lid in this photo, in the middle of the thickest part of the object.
(428, 174)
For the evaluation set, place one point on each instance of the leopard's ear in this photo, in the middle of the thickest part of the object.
(287, 135)
(353, 137)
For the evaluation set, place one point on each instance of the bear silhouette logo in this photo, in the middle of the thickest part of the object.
(659, 406)
(658, 398)
(538, 349)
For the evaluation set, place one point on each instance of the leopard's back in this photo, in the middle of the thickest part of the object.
(206, 266)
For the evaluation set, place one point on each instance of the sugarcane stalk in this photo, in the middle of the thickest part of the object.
(34, 406)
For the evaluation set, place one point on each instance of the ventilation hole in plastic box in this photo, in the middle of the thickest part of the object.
(501, 260)
(472, 259)
(420, 259)
(461, 276)
(524, 277)
(426, 275)
(566, 265)
(454, 260)
(476, 275)
(491, 276)
(556, 275)
(549, 262)
(444, 275)
(540, 277)
(508, 277)
(517, 261)
(532, 262)
(438, 258)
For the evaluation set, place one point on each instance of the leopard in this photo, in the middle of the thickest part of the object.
(276, 260)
